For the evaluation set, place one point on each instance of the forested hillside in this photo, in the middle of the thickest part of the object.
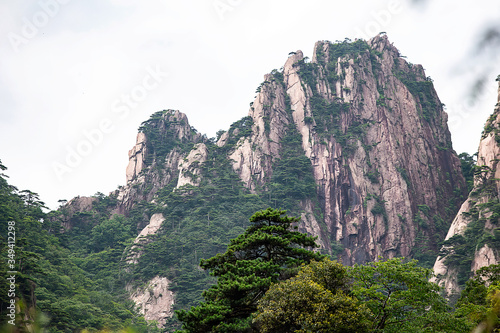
(353, 145)
(64, 281)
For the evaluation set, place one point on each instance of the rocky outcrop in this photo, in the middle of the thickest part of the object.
(375, 133)
(154, 300)
(135, 251)
(158, 156)
(388, 181)
(480, 212)
(137, 157)
(74, 206)
(189, 171)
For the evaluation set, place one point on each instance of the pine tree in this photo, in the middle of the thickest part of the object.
(269, 251)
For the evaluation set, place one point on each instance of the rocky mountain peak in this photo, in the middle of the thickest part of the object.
(355, 142)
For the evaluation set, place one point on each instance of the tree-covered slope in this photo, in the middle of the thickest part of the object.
(63, 281)
(354, 142)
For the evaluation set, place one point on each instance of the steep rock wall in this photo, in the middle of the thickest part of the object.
(154, 300)
(157, 157)
(386, 181)
(376, 136)
(475, 229)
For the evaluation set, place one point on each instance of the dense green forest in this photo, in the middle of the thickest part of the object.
(65, 282)
(269, 280)
(75, 278)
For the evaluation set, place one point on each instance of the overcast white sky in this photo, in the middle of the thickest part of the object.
(70, 68)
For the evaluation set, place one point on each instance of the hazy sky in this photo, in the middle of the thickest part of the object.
(77, 78)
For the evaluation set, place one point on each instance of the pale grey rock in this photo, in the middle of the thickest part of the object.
(136, 156)
(153, 226)
(154, 300)
(189, 171)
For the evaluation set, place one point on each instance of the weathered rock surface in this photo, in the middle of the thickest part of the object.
(189, 171)
(76, 205)
(373, 130)
(147, 172)
(137, 156)
(476, 211)
(381, 187)
(154, 224)
(155, 300)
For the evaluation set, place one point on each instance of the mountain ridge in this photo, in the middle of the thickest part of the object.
(355, 142)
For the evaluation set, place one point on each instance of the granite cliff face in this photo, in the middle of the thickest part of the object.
(376, 136)
(157, 158)
(354, 141)
(473, 240)
(375, 133)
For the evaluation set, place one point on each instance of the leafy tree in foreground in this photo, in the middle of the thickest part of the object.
(269, 251)
(401, 298)
(316, 300)
(480, 300)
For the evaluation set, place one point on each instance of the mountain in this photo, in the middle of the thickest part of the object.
(355, 142)
(473, 240)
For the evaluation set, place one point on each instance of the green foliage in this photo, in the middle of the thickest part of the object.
(422, 91)
(379, 209)
(308, 73)
(341, 49)
(162, 136)
(292, 178)
(476, 289)
(391, 296)
(467, 163)
(491, 127)
(479, 302)
(459, 250)
(54, 283)
(373, 176)
(400, 296)
(421, 251)
(268, 251)
(327, 118)
(316, 300)
(110, 233)
(404, 174)
(240, 128)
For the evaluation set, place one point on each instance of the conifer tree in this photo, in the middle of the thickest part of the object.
(269, 251)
